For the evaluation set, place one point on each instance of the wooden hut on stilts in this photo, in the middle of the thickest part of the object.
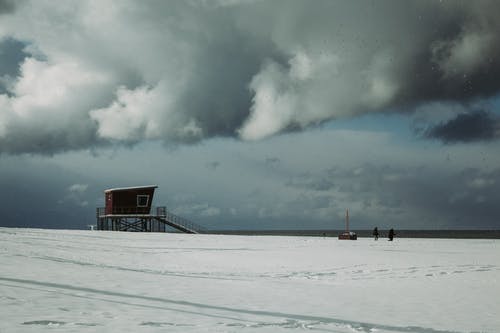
(130, 209)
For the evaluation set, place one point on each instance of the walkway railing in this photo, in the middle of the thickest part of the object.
(182, 222)
(159, 213)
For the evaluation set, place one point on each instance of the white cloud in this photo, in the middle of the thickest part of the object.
(273, 106)
(52, 87)
(78, 188)
(210, 211)
(75, 194)
(481, 182)
(132, 116)
(198, 210)
(50, 100)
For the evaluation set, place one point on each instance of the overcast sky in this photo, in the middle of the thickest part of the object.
(253, 114)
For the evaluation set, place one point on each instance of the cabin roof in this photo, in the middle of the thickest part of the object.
(129, 188)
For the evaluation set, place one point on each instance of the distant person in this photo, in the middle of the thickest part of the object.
(375, 233)
(391, 234)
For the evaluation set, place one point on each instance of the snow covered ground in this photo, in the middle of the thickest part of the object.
(96, 281)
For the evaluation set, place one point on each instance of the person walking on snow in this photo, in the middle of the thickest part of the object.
(375, 233)
(391, 234)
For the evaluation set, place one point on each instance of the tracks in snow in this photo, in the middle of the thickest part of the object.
(238, 317)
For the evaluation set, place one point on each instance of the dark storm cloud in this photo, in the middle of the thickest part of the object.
(457, 60)
(7, 6)
(40, 195)
(218, 98)
(182, 72)
(467, 127)
(49, 141)
(11, 56)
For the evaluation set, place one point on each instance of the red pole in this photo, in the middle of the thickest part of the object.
(347, 220)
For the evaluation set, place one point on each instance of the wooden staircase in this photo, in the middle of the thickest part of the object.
(177, 222)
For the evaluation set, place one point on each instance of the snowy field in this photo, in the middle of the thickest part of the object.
(96, 281)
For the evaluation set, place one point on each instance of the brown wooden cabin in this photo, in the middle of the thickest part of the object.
(129, 200)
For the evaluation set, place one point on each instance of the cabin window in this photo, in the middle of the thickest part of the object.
(142, 200)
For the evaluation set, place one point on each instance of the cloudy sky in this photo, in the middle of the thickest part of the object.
(253, 114)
